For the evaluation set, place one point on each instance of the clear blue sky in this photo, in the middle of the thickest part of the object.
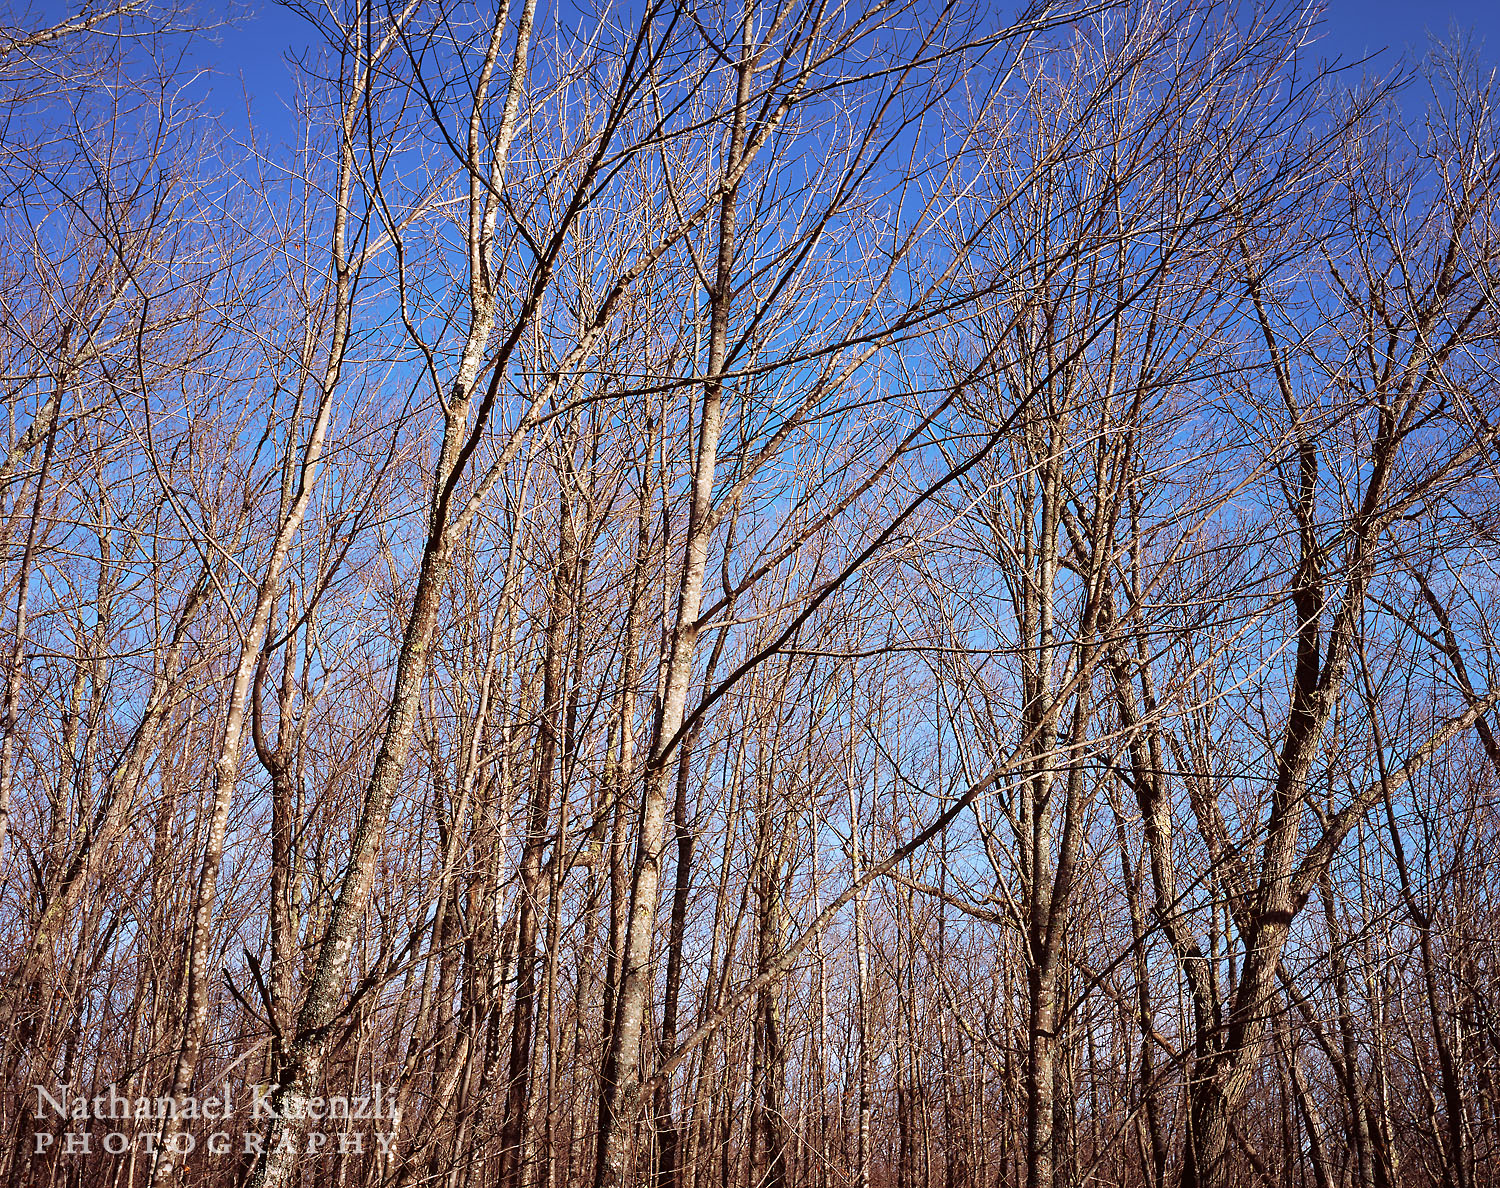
(254, 48)
(1354, 28)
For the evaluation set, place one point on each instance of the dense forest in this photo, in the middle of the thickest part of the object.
(764, 594)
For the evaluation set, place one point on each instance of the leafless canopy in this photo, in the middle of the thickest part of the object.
(748, 595)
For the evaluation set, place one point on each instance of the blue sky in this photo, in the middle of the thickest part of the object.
(249, 57)
(1354, 28)
(254, 49)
